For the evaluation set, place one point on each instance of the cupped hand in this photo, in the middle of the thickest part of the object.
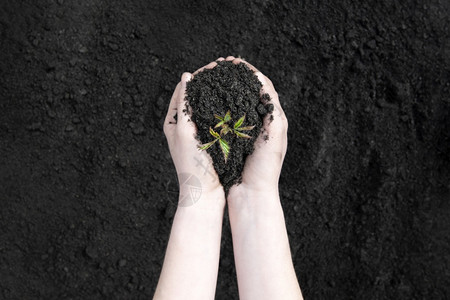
(263, 167)
(194, 167)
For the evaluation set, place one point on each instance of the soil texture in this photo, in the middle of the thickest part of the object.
(226, 88)
(87, 186)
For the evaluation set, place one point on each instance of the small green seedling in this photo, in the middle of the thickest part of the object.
(223, 144)
(226, 128)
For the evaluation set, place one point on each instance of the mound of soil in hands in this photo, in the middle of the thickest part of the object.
(228, 87)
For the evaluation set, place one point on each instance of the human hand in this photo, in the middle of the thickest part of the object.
(263, 167)
(194, 167)
(260, 240)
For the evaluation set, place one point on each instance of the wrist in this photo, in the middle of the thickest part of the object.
(198, 198)
(243, 198)
(247, 191)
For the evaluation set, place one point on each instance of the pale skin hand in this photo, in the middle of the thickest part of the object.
(261, 247)
(263, 262)
(183, 145)
(192, 256)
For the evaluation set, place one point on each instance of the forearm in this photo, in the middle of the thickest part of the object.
(192, 256)
(261, 248)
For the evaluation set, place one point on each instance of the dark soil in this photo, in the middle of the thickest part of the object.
(228, 87)
(87, 185)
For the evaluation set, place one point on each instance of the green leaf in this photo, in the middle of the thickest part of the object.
(225, 130)
(213, 133)
(225, 148)
(207, 145)
(227, 116)
(239, 122)
(219, 124)
(245, 128)
(218, 117)
(242, 135)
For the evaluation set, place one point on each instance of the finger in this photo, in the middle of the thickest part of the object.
(172, 110)
(268, 88)
(269, 82)
(220, 59)
(230, 58)
(183, 114)
(273, 137)
(208, 66)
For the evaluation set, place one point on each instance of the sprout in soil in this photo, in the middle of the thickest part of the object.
(224, 124)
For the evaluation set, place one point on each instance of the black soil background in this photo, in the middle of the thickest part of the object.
(88, 189)
(233, 88)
